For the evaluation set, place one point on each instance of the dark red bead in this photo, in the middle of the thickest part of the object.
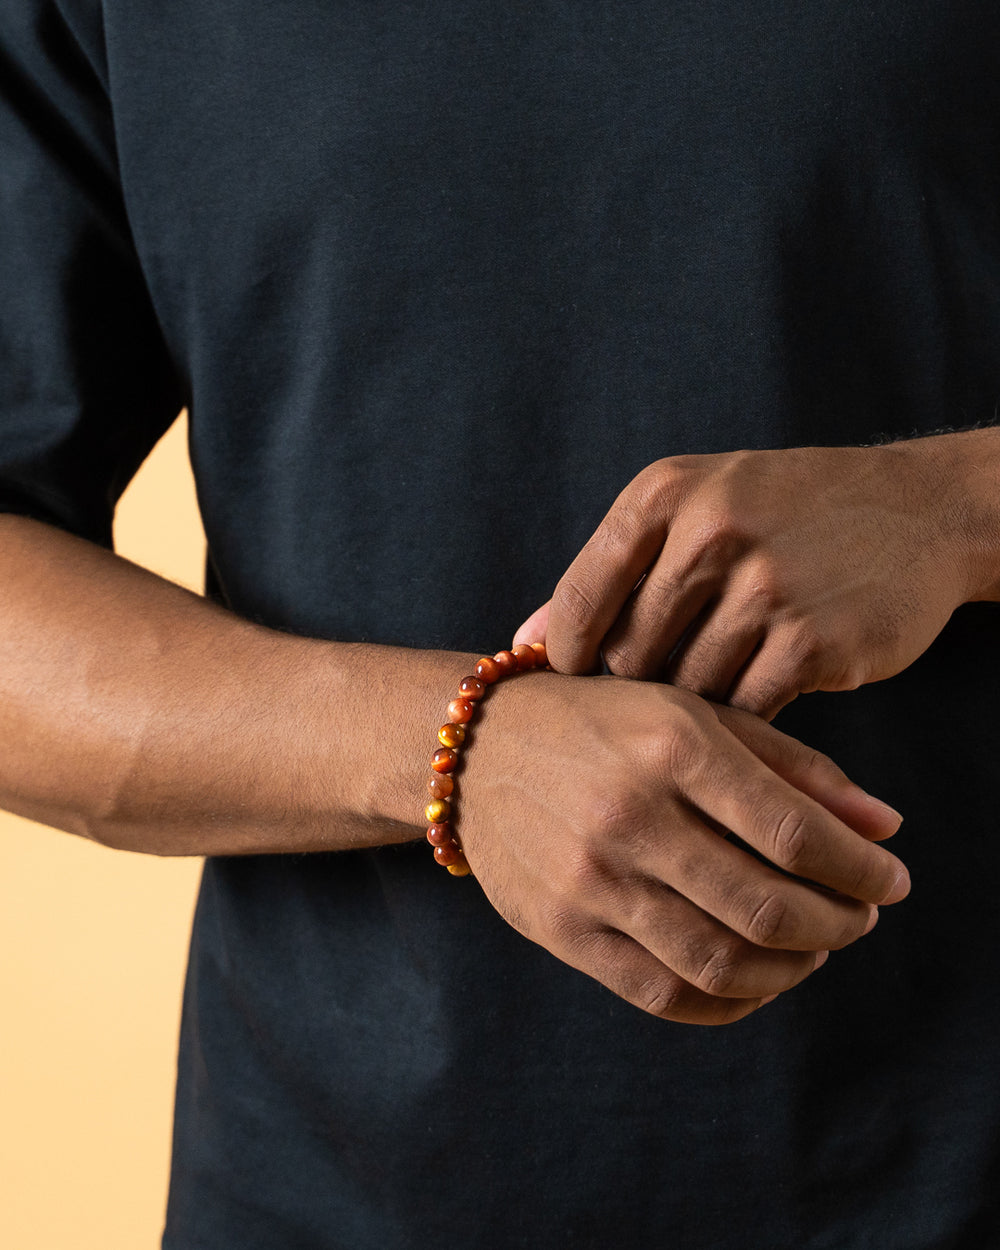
(447, 854)
(460, 711)
(507, 662)
(444, 759)
(525, 656)
(488, 670)
(472, 687)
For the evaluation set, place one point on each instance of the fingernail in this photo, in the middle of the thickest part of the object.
(821, 958)
(891, 811)
(900, 887)
(872, 921)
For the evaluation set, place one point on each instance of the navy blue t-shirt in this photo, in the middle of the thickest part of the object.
(435, 281)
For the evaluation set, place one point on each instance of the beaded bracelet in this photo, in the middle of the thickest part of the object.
(439, 811)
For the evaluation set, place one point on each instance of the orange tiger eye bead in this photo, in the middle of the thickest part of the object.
(488, 670)
(461, 710)
(459, 869)
(440, 785)
(438, 835)
(507, 662)
(437, 811)
(525, 656)
(447, 854)
(444, 759)
(540, 653)
(472, 687)
(451, 735)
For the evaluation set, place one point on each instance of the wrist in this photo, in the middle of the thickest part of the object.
(959, 474)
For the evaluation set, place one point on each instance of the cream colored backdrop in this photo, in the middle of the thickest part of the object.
(92, 951)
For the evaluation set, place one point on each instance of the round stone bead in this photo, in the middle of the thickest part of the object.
(507, 662)
(541, 657)
(436, 811)
(525, 655)
(459, 869)
(447, 854)
(451, 735)
(438, 835)
(488, 670)
(440, 785)
(460, 711)
(472, 687)
(444, 759)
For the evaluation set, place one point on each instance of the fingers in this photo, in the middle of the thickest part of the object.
(814, 774)
(759, 906)
(632, 972)
(705, 952)
(664, 609)
(714, 654)
(594, 589)
(732, 786)
(535, 628)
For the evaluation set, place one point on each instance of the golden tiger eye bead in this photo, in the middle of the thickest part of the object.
(444, 759)
(451, 735)
(437, 811)
(488, 670)
(525, 656)
(440, 785)
(472, 687)
(461, 710)
(447, 854)
(438, 835)
(541, 654)
(459, 869)
(507, 662)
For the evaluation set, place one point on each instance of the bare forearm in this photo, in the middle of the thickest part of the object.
(141, 716)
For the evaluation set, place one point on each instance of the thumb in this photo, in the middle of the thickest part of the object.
(535, 627)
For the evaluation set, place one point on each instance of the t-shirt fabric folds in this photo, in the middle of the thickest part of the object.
(435, 281)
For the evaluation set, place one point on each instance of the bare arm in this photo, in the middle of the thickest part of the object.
(144, 717)
(138, 714)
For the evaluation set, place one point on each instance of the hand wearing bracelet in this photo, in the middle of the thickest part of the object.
(446, 758)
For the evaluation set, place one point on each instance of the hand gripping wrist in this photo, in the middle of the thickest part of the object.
(445, 762)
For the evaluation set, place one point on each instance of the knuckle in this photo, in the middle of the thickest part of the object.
(583, 875)
(765, 690)
(559, 923)
(624, 659)
(719, 970)
(660, 481)
(817, 762)
(574, 606)
(717, 538)
(809, 648)
(768, 922)
(789, 840)
(621, 526)
(611, 819)
(763, 594)
(663, 997)
(682, 747)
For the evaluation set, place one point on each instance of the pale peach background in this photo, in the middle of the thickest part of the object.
(92, 951)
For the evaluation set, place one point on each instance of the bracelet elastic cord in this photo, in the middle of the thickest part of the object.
(440, 811)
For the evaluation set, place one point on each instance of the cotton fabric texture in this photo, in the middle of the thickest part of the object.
(435, 280)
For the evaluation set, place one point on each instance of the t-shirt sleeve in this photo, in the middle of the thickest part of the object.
(86, 382)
